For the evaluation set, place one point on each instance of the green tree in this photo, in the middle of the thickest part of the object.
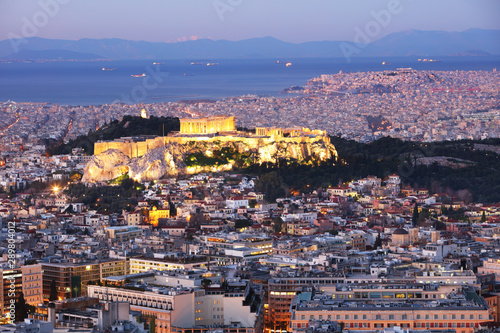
(483, 217)
(152, 325)
(272, 185)
(53, 291)
(277, 224)
(378, 241)
(414, 218)
(205, 283)
(22, 309)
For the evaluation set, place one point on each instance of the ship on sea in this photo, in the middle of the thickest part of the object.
(189, 74)
(212, 64)
(288, 64)
(108, 69)
(158, 63)
(138, 75)
(196, 63)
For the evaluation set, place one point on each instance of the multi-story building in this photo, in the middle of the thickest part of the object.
(156, 214)
(145, 264)
(133, 218)
(123, 233)
(11, 287)
(490, 266)
(235, 309)
(282, 290)
(462, 311)
(71, 278)
(32, 284)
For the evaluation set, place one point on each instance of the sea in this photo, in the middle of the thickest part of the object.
(86, 83)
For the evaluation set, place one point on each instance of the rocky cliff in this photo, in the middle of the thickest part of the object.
(187, 155)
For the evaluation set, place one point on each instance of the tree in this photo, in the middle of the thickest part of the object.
(271, 184)
(53, 291)
(483, 217)
(414, 218)
(22, 309)
(171, 207)
(205, 283)
(378, 241)
(152, 325)
(277, 224)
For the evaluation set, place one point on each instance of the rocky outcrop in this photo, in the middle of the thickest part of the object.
(167, 157)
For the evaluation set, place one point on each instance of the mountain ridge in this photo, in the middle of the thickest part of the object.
(404, 43)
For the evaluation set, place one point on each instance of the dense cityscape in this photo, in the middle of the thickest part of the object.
(243, 252)
(230, 166)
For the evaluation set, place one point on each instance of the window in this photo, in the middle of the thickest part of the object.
(303, 317)
(445, 317)
(391, 317)
(426, 316)
(418, 316)
(311, 317)
(355, 316)
(378, 317)
(346, 317)
(435, 316)
(453, 317)
(338, 317)
(404, 317)
(364, 316)
(480, 316)
(471, 316)
(462, 316)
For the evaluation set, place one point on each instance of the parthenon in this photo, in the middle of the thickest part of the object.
(209, 125)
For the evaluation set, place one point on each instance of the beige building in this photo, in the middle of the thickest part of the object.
(490, 266)
(123, 233)
(380, 307)
(234, 310)
(133, 218)
(209, 125)
(143, 264)
(400, 237)
(32, 284)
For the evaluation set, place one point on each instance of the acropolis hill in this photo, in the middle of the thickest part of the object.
(205, 145)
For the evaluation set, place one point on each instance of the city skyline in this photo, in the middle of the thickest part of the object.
(291, 21)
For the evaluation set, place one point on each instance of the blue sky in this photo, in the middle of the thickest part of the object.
(288, 20)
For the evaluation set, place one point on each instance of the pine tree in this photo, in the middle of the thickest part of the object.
(378, 241)
(53, 291)
(414, 218)
(22, 308)
(483, 217)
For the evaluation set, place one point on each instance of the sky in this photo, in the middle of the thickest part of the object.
(289, 20)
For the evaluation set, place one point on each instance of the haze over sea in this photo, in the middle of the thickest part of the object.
(85, 83)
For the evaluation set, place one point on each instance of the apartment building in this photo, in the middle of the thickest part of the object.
(72, 278)
(236, 309)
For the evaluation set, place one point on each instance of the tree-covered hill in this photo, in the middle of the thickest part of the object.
(128, 126)
(480, 176)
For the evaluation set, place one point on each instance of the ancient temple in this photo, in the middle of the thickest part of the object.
(209, 125)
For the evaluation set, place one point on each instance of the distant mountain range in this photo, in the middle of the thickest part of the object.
(472, 42)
